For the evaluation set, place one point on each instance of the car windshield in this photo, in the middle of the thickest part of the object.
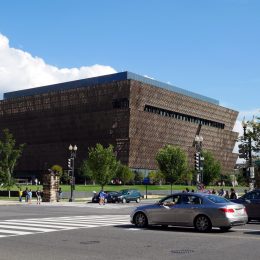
(216, 199)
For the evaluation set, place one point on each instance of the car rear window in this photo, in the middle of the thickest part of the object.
(216, 199)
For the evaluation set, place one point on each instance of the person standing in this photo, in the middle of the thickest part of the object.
(30, 196)
(20, 193)
(59, 195)
(226, 195)
(26, 194)
(233, 194)
(38, 195)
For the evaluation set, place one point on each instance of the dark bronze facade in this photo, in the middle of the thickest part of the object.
(138, 118)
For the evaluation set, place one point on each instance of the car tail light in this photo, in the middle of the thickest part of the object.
(226, 210)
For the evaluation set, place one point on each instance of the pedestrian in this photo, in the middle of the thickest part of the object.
(226, 196)
(221, 192)
(233, 194)
(213, 191)
(30, 196)
(59, 195)
(187, 190)
(102, 196)
(20, 192)
(26, 194)
(38, 195)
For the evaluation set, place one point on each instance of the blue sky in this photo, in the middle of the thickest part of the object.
(210, 47)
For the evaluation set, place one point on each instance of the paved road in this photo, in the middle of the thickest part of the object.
(90, 231)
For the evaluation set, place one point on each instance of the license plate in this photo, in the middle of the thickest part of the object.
(239, 212)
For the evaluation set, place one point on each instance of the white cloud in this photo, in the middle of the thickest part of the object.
(20, 70)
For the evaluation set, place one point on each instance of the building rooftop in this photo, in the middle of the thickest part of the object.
(105, 79)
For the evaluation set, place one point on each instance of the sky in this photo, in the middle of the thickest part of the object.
(210, 47)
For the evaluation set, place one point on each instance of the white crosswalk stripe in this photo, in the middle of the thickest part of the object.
(20, 227)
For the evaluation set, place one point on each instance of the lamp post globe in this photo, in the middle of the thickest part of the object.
(71, 166)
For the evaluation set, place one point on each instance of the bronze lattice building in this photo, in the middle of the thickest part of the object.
(137, 115)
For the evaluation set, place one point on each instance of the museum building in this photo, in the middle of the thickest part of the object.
(137, 115)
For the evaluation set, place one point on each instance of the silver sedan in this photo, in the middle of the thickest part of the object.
(200, 210)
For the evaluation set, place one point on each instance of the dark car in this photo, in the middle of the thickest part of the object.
(129, 195)
(251, 200)
(111, 197)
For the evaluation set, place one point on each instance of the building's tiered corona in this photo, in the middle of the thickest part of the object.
(135, 114)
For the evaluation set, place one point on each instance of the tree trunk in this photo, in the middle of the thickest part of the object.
(9, 194)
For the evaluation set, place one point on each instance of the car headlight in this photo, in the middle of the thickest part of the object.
(120, 197)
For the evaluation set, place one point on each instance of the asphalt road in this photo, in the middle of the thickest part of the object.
(90, 231)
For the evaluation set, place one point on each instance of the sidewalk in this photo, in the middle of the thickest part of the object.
(65, 202)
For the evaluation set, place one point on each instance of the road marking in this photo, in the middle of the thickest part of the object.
(18, 227)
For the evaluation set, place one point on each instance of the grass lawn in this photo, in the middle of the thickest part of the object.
(91, 188)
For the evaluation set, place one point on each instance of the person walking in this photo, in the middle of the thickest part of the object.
(102, 196)
(39, 196)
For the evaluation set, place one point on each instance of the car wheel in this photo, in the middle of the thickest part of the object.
(164, 226)
(225, 229)
(140, 220)
(123, 200)
(202, 223)
(137, 200)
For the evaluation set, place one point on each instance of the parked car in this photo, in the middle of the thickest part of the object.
(129, 195)
(251, 200)
(111, 197)
(200, 210)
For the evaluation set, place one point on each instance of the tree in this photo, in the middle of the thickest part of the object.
(156, 177)
(124, 173)
(102, 163)
(211, 168)
(256, 134)
(86, 172)
(172, 163)
(187, 177)
(9, 154)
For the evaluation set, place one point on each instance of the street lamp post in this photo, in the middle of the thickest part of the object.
(71, 166)
(198, 158)
(247, 138)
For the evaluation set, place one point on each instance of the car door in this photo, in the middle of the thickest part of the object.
(166, 211)
(252, 203)
(130, 195)
(190, 205)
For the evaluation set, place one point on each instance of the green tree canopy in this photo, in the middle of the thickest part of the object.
(156, 177)
(124, 173)
(172, 163)
(64, 177)
(9, 154)
(102, 163)
(211, 168)
(85, 171)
